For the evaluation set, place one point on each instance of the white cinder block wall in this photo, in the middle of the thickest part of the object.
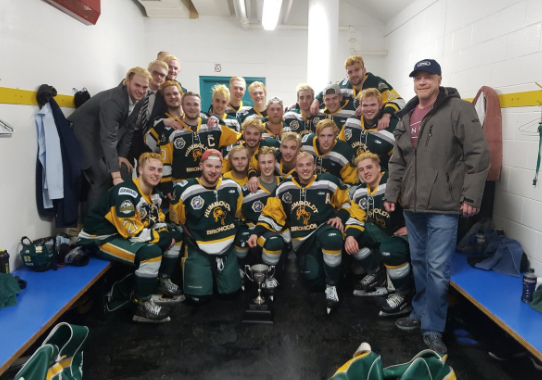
(279, 56)
(495, 43)
(40, 44)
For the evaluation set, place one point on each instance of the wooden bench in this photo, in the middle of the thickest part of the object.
(47, 296)
(499, 297)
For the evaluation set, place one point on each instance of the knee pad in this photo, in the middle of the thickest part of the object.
(333, 241)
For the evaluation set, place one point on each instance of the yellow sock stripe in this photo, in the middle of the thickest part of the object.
(118, 252)
(337, 252)
(395, 266)
(152, 260)
(272, 252)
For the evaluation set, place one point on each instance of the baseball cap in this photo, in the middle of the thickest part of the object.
(211, 152)
(331, 88)
(429, 65)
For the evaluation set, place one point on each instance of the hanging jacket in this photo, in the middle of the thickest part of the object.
(486, 103)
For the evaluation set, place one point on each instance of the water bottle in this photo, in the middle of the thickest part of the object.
(529, 285)
(4, 261)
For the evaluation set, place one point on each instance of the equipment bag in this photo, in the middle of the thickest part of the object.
(60, 357)
(39, 255)
(120, 294)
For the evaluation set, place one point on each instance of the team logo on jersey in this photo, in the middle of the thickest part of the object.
(257, 206)
(126, 207)
(287, 198)
(315, 120)
(197, 203)
(179, 143)
(196, 154)
(220, 215)
(321, 193)
(382, 86)
(143, 212)
(363, 203)
(303, 214)
(127, 191)
(182, 183)
(173, 215)
(347, 133)
(163, 138)
(294, 125)
(232, 191)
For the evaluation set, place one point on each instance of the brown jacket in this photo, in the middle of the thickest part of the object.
(449, 165)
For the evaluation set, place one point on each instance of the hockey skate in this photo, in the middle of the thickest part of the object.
(168, 293)
(395, 304)
(332, 298)
(372, 285)
(149, 312)
(270, 286)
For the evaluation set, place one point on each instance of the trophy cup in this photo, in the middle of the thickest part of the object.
(259, 309)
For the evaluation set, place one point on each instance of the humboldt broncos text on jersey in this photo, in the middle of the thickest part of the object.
(390, 98)
(367, 206)
(208, 215)
(254, 203)
(299, 124)
(182, 153)
(336, 162)
(363, 138)
(125, 210)
(305, 208)
(345, 111)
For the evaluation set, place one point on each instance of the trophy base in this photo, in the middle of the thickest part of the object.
(259, 313)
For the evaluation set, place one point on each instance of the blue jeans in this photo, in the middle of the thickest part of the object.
(432, 239)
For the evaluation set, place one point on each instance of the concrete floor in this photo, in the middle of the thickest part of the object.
(210, 342)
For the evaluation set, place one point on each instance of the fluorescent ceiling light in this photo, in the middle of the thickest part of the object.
(271, 13)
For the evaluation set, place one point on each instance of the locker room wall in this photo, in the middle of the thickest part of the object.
(40, 44)
(279, 56)
(492, 43)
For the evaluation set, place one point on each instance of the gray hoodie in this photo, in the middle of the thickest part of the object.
(451, 161)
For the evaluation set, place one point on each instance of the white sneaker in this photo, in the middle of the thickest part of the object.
(332, 298)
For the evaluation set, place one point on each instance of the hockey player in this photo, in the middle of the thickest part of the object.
(238, 87)
(309, 206)
(270, 242)
(290, 146)
(238, 157)
(182, 153)
(220, 99)
(274, 126)
(336, 108)
(174, 65)
(159, 133)
(128, 227)
(372, 231)
(332, 156)
(257, 92)
(358, 79)
(206, 208)
(362, 134)
(300, 120)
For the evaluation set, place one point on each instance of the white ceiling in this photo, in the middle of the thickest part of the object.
(383, 10)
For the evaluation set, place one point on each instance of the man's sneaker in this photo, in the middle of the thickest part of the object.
(332, 299)
(149, 312)
(407, 323)
(373, 280)
(395, 304)
(435, 343)
(270, 286)
(168, 288)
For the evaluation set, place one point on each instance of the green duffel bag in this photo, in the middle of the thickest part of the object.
(60, 357)
(39, 255)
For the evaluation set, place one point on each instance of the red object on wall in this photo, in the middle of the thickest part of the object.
(86, 11)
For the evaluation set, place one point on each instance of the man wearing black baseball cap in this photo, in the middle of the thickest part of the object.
(438, 168)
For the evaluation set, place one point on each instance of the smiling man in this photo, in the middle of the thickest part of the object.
(300, 120)
(362, 133)
(438, 169)
(128, 227)
(373, 235)
(290, 146)
(174, 68)
(332, 156)
(238, 87)
(316, 208)
(257, 92)
(238, 157)
(219, 106)
(358, 79)
(207, 208)
(104, 126)
(274, 125)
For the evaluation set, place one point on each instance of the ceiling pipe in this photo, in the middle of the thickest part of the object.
(241, 13)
